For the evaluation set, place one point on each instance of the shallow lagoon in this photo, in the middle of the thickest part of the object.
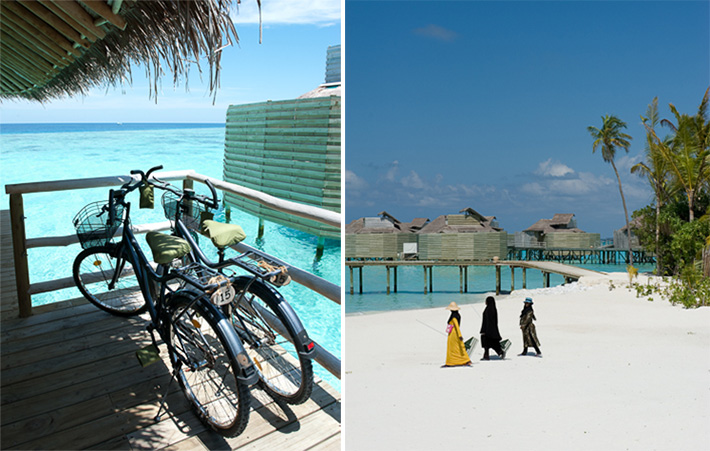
(43, 152)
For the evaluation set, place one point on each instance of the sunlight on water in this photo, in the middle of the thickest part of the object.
(44, 152)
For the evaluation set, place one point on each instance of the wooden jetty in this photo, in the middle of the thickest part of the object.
(70, 380)
(599, 256)
(570, 273)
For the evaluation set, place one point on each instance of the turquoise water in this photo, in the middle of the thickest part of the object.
(44, 152)
(410, 293)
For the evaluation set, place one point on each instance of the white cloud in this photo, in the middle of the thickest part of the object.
(551, 168)
(354, 182)
(302, 12)
(436, 32)
(412, 181)
(392, 172)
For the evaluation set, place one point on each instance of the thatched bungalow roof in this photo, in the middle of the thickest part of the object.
(384, 223)
(52, 49)
(469, 222)
(559, 223)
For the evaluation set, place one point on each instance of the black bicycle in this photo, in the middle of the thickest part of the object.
(205, 352)
(270, 330)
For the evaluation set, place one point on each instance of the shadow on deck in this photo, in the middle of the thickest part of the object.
(70, 380)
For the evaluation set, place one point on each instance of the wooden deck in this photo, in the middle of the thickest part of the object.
(70, 380)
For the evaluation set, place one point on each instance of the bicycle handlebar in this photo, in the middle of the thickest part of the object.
(117, 196)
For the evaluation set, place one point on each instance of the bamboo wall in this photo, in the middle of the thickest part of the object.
(572, 240)
(377, 245)
(621, 240)
(463, 246)
(332, 65)
(289, 149)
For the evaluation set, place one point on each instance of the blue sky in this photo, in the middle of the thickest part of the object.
(486, 104)
(289, 62)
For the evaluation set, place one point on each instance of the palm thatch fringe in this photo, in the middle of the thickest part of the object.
(159, 35)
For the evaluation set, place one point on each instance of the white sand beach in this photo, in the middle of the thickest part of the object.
(617, 373)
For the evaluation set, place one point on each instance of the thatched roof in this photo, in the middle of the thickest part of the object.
(469, 222)
(52, 49)
(560, 222)
(384, 223)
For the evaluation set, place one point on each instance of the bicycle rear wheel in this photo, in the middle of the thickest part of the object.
(269, 339)
(208, 371)
(94, 272)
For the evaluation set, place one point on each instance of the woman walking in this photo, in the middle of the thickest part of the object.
(490, 336)
(526, 325)
(455, 350)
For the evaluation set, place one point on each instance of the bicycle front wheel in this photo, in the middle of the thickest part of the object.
(207, 370)
(272, 344)
(95, 274)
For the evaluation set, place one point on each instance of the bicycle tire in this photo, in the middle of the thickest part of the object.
(208, 372)
(283, 372)
(93, 271)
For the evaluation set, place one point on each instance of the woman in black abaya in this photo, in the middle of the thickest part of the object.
(490, 336)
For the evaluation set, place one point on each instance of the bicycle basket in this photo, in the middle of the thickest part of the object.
(191, 213)
(93, 226)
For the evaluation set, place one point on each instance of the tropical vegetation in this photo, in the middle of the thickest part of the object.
(676, 227)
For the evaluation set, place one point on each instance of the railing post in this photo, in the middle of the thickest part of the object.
(19, 253)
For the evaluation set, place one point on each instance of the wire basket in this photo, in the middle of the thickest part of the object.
(93, 225)
(191, 212)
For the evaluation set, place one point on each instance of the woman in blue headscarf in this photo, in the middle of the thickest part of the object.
(526, 325)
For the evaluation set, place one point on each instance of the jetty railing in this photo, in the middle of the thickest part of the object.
(21, 244)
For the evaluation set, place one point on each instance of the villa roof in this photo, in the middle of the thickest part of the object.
(385, 223)
(469, 222)
(54, 49)
(559, 223)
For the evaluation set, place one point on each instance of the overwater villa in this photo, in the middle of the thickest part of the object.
(559, 232)
(289, 149)
(382, 237)
(467, 235)
(621, 238)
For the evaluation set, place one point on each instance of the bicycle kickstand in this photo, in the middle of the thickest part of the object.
(165, 395)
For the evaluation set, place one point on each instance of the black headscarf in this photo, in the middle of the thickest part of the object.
(527, 308)
(489, 327)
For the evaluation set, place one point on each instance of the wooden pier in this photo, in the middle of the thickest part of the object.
(597, 256)
(570, 273)
(70, 380)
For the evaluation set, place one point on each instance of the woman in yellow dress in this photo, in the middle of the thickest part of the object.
(455, 350)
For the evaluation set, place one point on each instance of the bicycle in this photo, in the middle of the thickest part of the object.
(271, 331)
(205, 352)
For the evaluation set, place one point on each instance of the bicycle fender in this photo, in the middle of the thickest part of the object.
(297, 329)
(247, 374)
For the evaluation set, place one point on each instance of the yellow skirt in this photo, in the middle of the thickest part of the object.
(455, 350)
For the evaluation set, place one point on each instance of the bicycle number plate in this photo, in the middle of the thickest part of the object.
(223, 295)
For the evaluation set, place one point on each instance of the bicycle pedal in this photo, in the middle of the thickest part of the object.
(148, 355)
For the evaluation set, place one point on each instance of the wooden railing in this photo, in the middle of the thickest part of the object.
(20, 242)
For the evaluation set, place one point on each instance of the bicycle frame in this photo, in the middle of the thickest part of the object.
(128, 249)
(198, 255)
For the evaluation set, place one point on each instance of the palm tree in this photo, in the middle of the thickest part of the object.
(655, 169)
(688, 153)
(611, 137)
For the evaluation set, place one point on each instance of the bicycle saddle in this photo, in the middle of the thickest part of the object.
(166, 248)
(222, 235)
